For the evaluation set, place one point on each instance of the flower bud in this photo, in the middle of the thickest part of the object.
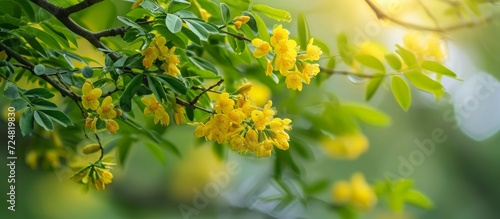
(91, 148)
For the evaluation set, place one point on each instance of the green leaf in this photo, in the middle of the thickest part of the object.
(40, 92)
(174, 23)
(129, 92)
(156, 151)
(58, 36)
(19, 104)
(370, 61)
(11, 91)
(129, 22)
(87, 72)
(173, 83)
(123, 146)
(42, 103)
(367, 114)
(39, 69)
(438, 68)
(197, 29)
(177, 5)
(424, 83)
(393, 61)
(31, 40)
(169, 146)
(407, 56)
(262, 28)
(303, 30)
(43, 36)
(59, 117)
(26, 121)
(277, 14)
(373, 85)
(418, 199)
(153, 7)
(191, 36)
(203, 64)
(226, 15)
(43, 120)
(157, 88)
(345, 50)
(401, 92)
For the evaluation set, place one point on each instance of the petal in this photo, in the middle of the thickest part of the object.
(87, 87)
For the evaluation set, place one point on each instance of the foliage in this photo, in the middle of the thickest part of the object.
(169, 59)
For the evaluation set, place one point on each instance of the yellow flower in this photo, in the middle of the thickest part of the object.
(269, 68)
(112, 126)
(259, 120)
(205, 15)
(161, 116)
(93, 125)
(224, 104)
(243, 19)
(294, 80)
(151, 104)
(104, 177)
(435, 49)
(93, 175)
(356, 192)
(309, 71)
(264, 148)
(313, 52)
(107, 109)
(237, 143)
(199, 131)
(279, 34)
(236, 116)
(150, 55)
(179, 114)
(88, 122)
(237, 24)
(341, 192)
(90, 96)
(261, 48)
(136, 4)
(252, 139)
(285, 55)
(347, 146)
(32, 159)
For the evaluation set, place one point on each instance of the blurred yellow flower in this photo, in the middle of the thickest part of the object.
(279, 34)
(294, 80)
(112, 126)
(356, 192)
(205, 15)
(347, 146)
(313, 52)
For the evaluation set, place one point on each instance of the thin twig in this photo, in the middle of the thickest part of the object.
(361, 75)
(80, 6)
(383, 16)
(195, 99)
(236, 36)
(429, 13)
(185, 103)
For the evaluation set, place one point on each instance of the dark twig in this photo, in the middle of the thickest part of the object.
(180, 101)
(80, 6)
(236, 36)
(195, 99)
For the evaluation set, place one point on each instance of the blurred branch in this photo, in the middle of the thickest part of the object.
(381, 15)
(236, 36)
(429, 13)
(361, 75)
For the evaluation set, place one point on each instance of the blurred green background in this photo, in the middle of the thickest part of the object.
(460, 176)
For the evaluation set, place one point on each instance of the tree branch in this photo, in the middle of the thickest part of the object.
(195, 99)
(383, 16)
(238, 37)
(180, 101)
(112, 32)
(63, 17)
(30, 66)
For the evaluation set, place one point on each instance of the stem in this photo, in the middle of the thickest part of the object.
(195, 99)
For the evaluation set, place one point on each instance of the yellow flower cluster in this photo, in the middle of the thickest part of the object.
(286, 56)
(153, 107)
(355, 192)
(97, 175)
(425, 47)
(158, 51)
(106, 111)
(246, 127)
